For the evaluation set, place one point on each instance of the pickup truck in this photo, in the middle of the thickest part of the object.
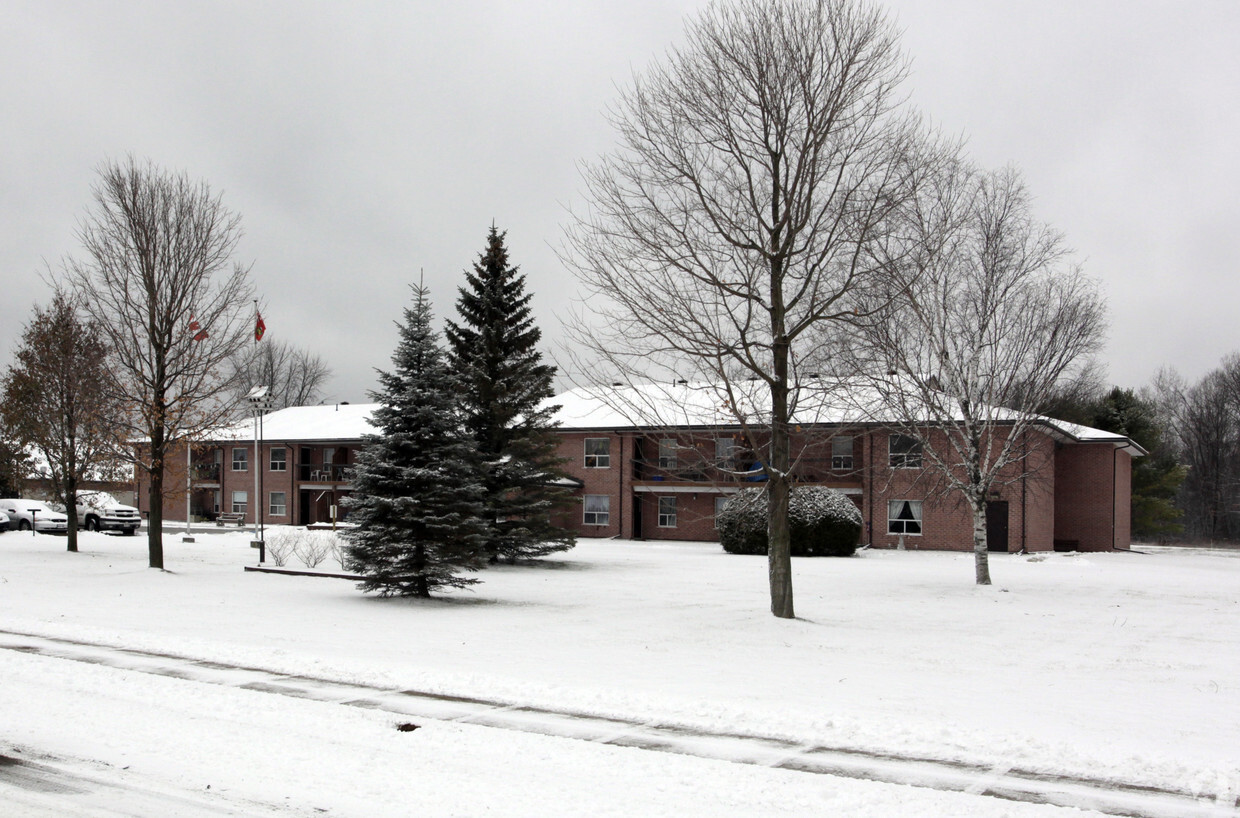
(100, 511)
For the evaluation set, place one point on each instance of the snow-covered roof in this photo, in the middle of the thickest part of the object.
(650, 405)
(338, 421)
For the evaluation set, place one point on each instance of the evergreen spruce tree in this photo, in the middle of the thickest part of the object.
(504, 388)
(417, 496)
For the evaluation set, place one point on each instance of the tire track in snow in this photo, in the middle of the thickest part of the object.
(1001, 781)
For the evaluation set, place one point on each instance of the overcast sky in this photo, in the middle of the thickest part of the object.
(363, 142)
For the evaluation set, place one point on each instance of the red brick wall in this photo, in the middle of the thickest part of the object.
(1090, 514)
(606, 481)
(947, 520)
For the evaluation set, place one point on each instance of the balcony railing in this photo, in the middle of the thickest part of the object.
(808, 470)
(206, 472)
(323, 472)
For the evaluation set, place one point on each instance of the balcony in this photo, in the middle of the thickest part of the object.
(806, 470)
(323, 472)
(206, 473)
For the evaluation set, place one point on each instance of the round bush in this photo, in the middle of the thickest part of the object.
(823, 523)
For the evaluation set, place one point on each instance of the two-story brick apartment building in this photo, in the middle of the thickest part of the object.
(665, 477)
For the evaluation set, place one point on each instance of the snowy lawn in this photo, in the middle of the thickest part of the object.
(1123, 666)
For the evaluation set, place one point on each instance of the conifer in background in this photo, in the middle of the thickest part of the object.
(417, 495)
(504, 389)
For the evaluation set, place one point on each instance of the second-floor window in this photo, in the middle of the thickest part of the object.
(598, 453)
(667, 454)
(725, 448)
(905, 452)
(279, 459)
(240, 459)
(841, 453)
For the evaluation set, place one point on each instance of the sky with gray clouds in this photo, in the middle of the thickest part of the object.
(362, 142)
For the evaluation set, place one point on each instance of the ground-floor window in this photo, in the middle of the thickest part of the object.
(720, 502)
(597, 509)
(667, 512)
(904, 516)
(239, 501)
(279, 504)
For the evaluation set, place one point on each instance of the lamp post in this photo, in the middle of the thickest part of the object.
(259, 403)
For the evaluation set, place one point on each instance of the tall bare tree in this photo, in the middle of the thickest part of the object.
(293, 376)
(989, 318)
(757, 163)
(57, 400)
(159, 279)
(1203, 423)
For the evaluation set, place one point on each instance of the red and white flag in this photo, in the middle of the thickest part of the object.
(260, 328)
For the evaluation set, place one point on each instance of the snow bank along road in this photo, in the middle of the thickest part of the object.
(41, 780)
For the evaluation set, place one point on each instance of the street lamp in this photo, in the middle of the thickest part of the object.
(259, 404)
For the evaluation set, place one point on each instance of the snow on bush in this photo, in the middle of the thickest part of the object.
(823, 522)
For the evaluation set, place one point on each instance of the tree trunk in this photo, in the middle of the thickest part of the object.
(71, 538)
(779, 486)
(779, 548)
(981, 554)
(155, 521)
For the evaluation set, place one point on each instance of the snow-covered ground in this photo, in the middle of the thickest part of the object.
(1123, 667)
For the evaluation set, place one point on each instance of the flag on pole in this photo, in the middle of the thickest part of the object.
(259, 327)
(200, 334)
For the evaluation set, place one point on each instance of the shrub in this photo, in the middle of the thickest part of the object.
(281, 545)
(823, 523)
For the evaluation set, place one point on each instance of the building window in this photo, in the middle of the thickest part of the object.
(720, 502)
(279, 505)
(667, 512)
(279, 459)
(598, 453)
(904, 516)
(241, 459)
(905, 452)
(667, 454)
(841, 453)
(725, 450)
(597, 509)
(239, 501)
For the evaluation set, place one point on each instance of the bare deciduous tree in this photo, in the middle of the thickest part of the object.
(1203, 421)
(756, 165)
(294, 376)
(159, 279)
(57, 400)
(991, 318)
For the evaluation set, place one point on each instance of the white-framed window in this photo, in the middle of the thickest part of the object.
(667, 512)
(720, 502)
(904, 517)
(841, 453)
(667, 454)
(279, 459)
(597, 509)
(725, 450)
(241, 459)
(239, 501)
(279, 504)
(598, 452)
(904, 452)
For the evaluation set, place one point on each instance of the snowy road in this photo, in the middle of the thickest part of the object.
(36, 784)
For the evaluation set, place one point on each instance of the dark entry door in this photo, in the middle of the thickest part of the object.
(997, 525)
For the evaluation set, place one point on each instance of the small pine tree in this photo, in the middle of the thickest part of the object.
(416, 489)
(504, 389)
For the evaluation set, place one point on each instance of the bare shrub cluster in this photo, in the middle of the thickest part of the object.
(311, 548)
